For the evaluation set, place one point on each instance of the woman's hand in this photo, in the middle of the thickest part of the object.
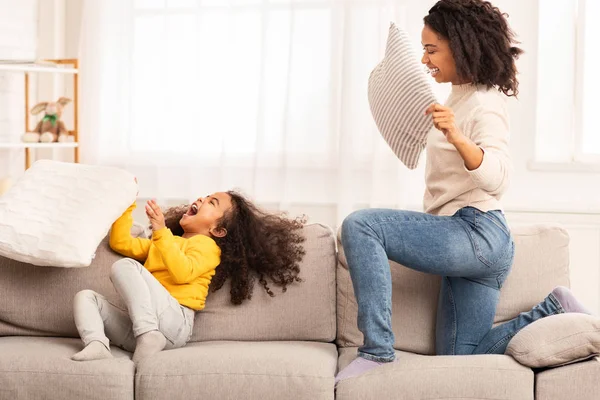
(155, 215)
(443, 119)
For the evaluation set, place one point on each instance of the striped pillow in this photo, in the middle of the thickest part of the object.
(399, 94)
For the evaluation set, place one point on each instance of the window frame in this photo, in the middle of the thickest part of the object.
(579, 155)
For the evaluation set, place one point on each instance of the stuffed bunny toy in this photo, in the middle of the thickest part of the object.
(50, 128)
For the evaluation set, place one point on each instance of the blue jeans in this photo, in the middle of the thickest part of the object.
(472, 250)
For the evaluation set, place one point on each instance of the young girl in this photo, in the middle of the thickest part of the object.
(217, 237)
(462, 235)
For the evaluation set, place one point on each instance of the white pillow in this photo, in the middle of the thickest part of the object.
(399, 94)
(58, 213)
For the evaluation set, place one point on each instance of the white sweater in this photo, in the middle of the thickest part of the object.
(482, 116)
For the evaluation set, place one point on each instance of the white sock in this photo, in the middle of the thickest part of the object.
(148, 344)
(568, 301)
(93, 351)
(357, 367)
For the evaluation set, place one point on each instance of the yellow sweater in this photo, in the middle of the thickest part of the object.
(184, 267)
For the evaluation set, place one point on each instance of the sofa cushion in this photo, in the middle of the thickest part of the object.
(414, 377)
(39, 301)
(557, 340)
(541, 263)
(238, 370)
(41, 368)
(580, 381)
(306, 311)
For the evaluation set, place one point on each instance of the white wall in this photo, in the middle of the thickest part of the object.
(18, 40)
(571, 199)
(548, 190)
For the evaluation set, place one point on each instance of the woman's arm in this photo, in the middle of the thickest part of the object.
(121, 240)
(490, 131)
(470, 152)
(485, 153)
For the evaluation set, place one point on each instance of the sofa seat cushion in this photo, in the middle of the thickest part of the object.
(414, 377)
(41, 368)
(580, 381)
(239, 370)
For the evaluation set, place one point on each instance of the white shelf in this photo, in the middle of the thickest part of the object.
(46, 67)
(23, 145)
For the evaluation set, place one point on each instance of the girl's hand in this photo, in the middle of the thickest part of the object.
(443, 119)
(155, 215)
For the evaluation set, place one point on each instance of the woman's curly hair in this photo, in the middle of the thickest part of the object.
(257, 244)
(481, 42)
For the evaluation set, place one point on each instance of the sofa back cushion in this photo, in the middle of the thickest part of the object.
(39, 301)
(541, 263)
(306, 311)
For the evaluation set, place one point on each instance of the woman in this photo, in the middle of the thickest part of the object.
(463, 235)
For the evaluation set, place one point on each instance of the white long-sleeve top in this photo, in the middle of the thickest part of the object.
(482, 116)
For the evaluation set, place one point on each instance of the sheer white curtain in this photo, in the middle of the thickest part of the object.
(268, 96)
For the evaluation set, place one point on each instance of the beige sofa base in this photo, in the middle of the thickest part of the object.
(579, 381)
(239, 370)
(414, 377)
(41, 368)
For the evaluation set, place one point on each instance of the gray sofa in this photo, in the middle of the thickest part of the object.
(286, 347)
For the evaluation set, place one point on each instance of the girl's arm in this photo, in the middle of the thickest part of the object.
(201, 255)
(121, 240)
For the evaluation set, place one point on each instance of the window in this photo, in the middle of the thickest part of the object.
(266, 80)
(567, 87)
(588, 82)
(248, 76)
(241, 75)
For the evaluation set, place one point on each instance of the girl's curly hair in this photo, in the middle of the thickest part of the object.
(257, 244)
(481, 42)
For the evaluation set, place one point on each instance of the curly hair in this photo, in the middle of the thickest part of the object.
(481, 42)
(257, 244)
